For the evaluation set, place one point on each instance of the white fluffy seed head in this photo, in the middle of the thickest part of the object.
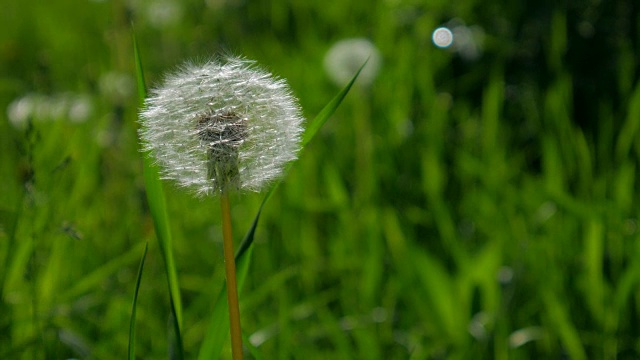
(221, 126)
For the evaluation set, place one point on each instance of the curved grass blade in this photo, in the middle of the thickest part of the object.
(219, 330)
(93, 279)
(248, 238)
(132, 323)
(158, 209)
(329, 109)
(142, 85)
(309, 134)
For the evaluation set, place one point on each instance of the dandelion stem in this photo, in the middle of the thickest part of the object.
(232, 287)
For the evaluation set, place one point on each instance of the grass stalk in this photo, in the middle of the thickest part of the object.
(232, 287)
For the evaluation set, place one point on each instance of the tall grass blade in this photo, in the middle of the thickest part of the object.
(142, 85)
(329, 109)
(219, 330)
(94, 279)
(158, 209)
(132, 323)
(559, 318)
(631, 126)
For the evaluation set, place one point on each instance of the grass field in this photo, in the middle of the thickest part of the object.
(471, 203)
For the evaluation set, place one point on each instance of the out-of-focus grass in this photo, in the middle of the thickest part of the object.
(455, 209)
(162, 225)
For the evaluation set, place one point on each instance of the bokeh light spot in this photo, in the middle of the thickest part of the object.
(442, 37)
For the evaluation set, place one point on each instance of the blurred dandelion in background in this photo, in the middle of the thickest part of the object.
(163, 13)
(75, 108)
(345, 57)
(466, 41)
(222, 4)
(469, 41)
(116, 86)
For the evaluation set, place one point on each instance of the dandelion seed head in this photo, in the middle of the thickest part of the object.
(220, 126)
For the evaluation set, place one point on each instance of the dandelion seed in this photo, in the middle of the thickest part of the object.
(222, 126)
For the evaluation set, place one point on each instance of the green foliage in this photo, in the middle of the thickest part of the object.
(134, 309)
(458, 208)
(158, 211)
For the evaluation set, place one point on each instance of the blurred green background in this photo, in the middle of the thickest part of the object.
(473, 202)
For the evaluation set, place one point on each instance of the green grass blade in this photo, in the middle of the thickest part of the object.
(94, 279)
(329, 109)
(248, 238)
(142, 85)
(132, 323)
(560, 319)
(219, 330)
(631, 126)
(309, 134)
(158, 209)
